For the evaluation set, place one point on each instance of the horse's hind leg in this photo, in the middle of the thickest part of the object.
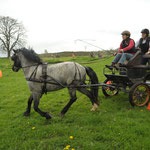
(72, 93)
(89, 94)
(27, 112)
(36, 97)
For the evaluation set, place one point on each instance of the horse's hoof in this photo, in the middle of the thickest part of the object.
(95, 107)
(62, 115)
(48, 116)
(26, 113)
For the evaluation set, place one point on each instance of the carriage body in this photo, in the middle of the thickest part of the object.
(133, 80)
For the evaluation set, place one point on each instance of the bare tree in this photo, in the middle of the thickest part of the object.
(46, 51)
(12, 34)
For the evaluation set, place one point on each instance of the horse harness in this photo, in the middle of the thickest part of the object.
(44, 76)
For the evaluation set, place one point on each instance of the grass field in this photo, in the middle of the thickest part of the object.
(115, 126)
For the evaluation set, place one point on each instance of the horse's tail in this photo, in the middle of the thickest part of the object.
(94, 80)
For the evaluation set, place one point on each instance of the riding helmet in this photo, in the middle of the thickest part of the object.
(146, 31)
(126, 33)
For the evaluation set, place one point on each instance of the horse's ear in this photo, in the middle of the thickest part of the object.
(15, 51)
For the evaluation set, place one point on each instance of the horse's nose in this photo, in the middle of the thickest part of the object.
(14, 68)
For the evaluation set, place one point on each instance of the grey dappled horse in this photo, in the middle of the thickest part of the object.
(66, 73)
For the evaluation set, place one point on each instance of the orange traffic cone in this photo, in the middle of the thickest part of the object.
(73, 55)
(148, 106)
(1, 74)
(108, 82)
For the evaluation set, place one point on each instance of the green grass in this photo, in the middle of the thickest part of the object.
(115, 126)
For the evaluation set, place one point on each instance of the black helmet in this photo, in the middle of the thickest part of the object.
(146, 31)
(126, 33)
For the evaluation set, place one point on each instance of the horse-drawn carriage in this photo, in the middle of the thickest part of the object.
(132, 78)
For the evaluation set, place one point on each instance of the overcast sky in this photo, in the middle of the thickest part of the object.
(56, 24)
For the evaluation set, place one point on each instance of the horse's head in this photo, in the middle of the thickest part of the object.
(17, 63)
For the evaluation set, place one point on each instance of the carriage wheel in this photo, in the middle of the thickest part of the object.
(108, 91)
(139, 94)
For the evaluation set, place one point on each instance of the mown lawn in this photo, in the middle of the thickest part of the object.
(115, 126)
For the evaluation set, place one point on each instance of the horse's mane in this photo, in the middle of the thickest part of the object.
(30, 55)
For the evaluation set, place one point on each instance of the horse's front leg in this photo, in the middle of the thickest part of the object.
(27, 112)
(36, 97)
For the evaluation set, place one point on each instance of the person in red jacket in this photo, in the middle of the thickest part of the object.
(126, 50)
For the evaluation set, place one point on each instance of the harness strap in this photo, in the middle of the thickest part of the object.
(44, 77)
(34, 73)
(77, 70)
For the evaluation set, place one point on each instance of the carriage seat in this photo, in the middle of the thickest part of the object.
(135, 60)
(143, 66)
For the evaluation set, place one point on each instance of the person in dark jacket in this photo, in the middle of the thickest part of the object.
(144, 45)
(125, 52)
